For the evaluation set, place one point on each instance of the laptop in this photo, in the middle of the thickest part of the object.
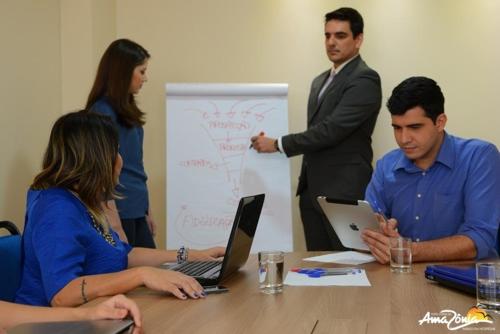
(75, 327)
(459, 277)
(211, 273)
(349, 218)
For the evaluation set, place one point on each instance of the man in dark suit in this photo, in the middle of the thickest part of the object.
(342, 110)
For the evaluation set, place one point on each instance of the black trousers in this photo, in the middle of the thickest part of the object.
(138, 232)
(319, 234)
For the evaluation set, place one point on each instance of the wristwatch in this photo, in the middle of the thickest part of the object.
(276, 145)
(182, 254)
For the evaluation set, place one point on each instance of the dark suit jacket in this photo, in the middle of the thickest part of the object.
(337, 143)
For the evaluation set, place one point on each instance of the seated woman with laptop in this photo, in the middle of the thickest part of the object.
(71, 255)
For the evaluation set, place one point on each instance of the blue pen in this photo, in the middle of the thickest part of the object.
(381, 213)
(318, 272)
(321, 274)
(379, 210)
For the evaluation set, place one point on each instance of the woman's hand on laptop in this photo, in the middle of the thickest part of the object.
(210, 254)
(171, 281)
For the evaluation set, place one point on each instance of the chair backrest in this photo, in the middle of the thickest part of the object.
(10, 261)
(498, 242)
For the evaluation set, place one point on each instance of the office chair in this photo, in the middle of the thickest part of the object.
(10, 261)
(498, 242)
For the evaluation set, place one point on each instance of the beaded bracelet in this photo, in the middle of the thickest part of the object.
(182, 254)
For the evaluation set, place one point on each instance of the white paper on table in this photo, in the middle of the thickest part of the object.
(296, 279)
(349, 257)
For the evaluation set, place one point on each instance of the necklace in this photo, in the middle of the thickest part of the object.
(106, 235)
(98, 227)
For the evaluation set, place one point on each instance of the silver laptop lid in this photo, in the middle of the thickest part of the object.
(74, 327)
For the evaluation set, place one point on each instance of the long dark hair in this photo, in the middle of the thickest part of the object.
(113, 78)
(80, 157)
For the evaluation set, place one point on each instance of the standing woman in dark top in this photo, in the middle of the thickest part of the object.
(121, 73)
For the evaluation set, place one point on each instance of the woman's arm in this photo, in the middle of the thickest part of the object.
(86, 288)
(139, 256)
(117, 307)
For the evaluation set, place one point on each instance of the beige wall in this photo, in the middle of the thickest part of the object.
(30, 94)
(453, 41)
(87, 27)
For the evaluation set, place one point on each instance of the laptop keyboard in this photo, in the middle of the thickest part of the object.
(197, 268)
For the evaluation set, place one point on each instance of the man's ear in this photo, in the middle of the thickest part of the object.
(359, 40)
(441, 121)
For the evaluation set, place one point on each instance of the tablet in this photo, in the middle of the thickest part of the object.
(349, 219)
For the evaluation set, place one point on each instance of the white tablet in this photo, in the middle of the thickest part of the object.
(348, 219)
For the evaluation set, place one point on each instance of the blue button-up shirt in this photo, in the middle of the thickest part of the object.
(458, 195)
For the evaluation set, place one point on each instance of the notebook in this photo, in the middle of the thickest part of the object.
(458, 277)
(74, 327)
(238, 247)
(349, 218)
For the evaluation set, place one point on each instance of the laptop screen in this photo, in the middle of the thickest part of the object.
(242, 234)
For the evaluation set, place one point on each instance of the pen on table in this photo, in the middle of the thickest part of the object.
(318, 272)
(260, 134)
(333, 273)
(305, 270)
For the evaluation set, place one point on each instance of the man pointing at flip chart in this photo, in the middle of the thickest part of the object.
(343, 105)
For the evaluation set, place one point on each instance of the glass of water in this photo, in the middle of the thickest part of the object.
(400, 249)
(271, 271)
(488, 286)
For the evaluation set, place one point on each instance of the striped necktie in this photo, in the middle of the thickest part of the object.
(327, 83)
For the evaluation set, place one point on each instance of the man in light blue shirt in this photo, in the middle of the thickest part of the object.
(441, 191)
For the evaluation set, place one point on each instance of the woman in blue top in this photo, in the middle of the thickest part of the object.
(120, 75)
(71, 255)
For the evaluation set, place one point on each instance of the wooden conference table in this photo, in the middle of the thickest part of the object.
(393, 304)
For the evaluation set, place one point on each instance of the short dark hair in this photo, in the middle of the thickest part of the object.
(347, 14)
(417, 92)
(113, 80)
